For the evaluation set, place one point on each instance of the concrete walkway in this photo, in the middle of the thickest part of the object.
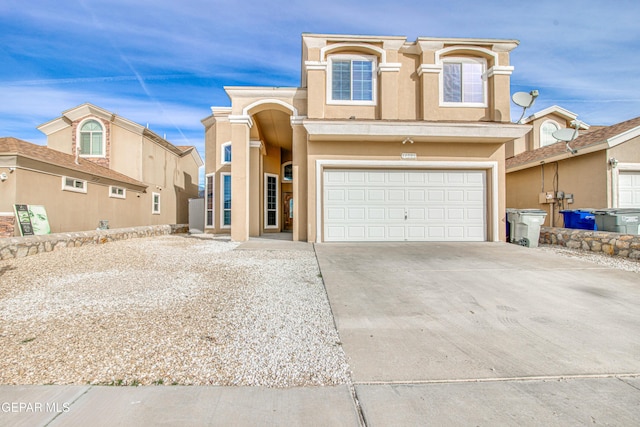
(436, 334)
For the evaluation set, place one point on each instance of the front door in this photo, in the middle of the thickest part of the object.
(287, 200)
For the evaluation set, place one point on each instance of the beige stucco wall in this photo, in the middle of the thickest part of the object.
(585, 176)
(405, 92)
(61, 140)
(71, 211)
(126, 152)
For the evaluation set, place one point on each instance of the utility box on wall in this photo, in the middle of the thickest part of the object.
(547, 197)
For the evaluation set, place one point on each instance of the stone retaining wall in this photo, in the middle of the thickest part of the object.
(622, 245)
(15, 247)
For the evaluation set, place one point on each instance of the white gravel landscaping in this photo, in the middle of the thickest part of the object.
(167, 310)
(618, 263)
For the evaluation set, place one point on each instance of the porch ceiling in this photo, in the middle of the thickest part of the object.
(275, 128)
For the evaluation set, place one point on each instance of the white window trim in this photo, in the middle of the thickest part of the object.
(615, 180)
(206, 200)
(115, 195)
(153, 209)
(485, 87)
(282, 172)
(266, 195)
(73, 188)
(222, 149)
(104, 138)
(353, 57)
(222, 175)
(540, 132)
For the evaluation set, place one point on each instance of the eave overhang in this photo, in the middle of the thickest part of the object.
(418, 131)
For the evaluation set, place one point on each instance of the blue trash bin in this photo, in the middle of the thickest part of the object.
(582, 219)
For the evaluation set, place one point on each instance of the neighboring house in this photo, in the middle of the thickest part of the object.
(602, 172)
(98, 166)
(385, 140)
(543, 124)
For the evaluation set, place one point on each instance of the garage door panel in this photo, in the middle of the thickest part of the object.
(397, 205)
(356, 195)
(396, 195)
(356, 177)
(336, 214)
(376, 195)
(416, 214)
(456, 214)
(396, 233)
(435, 195)
(356, 214)
(416, 195)
(336, 195)
(629, 189)
(395, 214)
(376, 214)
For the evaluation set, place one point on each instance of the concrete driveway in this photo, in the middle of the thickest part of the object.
(485, 333)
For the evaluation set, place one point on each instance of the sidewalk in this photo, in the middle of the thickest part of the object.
(175, 406)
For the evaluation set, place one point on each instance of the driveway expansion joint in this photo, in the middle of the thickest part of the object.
(619, 376)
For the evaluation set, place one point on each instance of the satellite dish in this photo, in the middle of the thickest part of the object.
(524, 100)
(567, 135)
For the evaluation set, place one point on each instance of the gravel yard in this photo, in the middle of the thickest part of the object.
(597, 258)
(167, 310)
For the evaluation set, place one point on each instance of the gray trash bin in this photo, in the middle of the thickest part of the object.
(526, 226)
(511, 225)
(626, 221)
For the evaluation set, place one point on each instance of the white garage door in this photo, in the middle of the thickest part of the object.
(402, 205)
(629, 189)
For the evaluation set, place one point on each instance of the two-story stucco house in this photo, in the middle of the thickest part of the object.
(98, 166)
(384, 140)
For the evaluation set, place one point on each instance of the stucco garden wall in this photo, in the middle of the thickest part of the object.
(16, 247)
(622, 245)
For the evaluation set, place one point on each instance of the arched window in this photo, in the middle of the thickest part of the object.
(91, 139)
(546, 133)
(287, 172)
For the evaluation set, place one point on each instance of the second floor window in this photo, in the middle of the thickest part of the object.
(91, 139)
(352, 79)
(462, 81)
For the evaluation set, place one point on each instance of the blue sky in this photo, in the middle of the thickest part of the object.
(165, 62)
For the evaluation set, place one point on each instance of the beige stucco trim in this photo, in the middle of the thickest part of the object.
(467, 132)
(387, 164)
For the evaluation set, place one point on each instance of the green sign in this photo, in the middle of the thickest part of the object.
(32, 220)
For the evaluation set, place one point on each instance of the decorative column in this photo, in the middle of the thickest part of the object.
(299, 163)
(256, 149)
(389, 100)
(240, 175)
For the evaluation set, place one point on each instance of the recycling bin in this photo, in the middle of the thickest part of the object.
(525, 226)
(582, 219)
(625, 221)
